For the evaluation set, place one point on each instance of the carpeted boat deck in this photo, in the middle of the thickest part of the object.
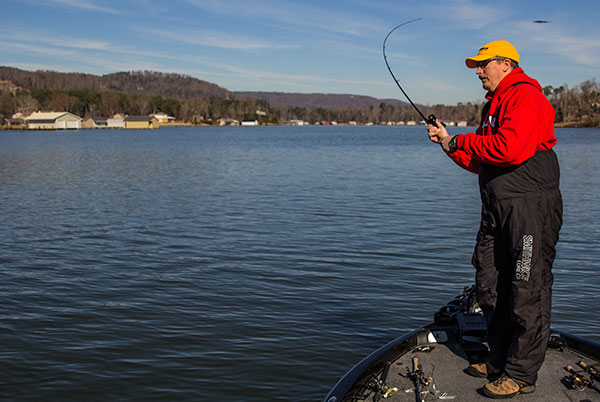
(445, 365)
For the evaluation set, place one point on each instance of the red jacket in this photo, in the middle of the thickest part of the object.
(520, 121)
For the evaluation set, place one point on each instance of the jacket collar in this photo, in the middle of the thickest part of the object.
(515, 76)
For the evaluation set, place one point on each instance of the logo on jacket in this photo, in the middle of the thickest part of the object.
(524, 263)
(490, 122)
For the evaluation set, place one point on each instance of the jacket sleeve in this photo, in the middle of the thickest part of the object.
(516, 138)
(464, 160)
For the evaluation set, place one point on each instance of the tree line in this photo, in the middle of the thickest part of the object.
(578, 106)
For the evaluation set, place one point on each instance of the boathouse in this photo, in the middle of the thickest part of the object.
(53, 121)
(95, 122)
(143, 122)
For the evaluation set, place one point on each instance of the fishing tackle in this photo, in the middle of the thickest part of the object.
(592, 370)
(429, 120)
(378, 385)
(580, 382)
(423, 384)
(418, 378)
(390, 391)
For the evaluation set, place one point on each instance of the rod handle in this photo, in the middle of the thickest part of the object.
(432, 119)
(415, 363)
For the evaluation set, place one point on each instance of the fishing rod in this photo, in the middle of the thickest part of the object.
(429, 120)
(419, 380)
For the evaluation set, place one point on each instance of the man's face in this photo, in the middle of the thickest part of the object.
(492, 73)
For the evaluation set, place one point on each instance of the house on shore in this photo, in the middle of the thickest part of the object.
(95, 122)
(53, 121)
(228, 122)
(163, 118)
(115, 122)
(141, 122)
(15, 122)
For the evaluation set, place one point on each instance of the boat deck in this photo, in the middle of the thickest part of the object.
(445, 348)
(446, 364)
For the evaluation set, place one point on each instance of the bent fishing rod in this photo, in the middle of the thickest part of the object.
(429, 120)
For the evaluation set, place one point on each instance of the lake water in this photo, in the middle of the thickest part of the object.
(244, 263)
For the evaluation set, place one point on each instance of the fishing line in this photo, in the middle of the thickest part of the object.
(429, 120)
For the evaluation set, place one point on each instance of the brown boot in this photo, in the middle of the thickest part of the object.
(482, 370)
(506, 387)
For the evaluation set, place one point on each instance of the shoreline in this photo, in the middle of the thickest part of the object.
(184, 124)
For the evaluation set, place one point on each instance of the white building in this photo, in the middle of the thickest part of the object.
(115, 123)
(228, 122)
(53, 121)
(163, 118)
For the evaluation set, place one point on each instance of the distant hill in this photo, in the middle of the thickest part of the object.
(135, 82)
(177, 86)
(315, 100)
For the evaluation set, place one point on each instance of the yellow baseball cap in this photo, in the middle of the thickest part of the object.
(498, 48)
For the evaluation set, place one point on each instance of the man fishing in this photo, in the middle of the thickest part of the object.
(521, 216)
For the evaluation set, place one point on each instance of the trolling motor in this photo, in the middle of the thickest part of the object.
(431, 119)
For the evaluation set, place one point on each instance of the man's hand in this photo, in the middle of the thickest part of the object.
(437, 133)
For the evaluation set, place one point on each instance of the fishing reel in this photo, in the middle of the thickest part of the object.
(431, 119)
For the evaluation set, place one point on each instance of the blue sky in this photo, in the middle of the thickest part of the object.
(305, 46)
